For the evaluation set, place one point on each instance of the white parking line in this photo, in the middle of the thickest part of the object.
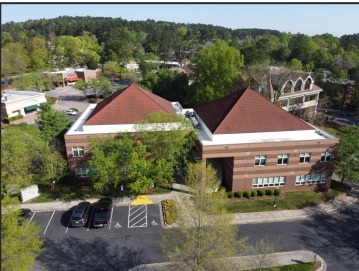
(49, 222)
(88, 228)
(109, 225)
(32, 216)
(68, 225)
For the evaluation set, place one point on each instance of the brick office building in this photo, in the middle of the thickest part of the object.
(257, 144)
(252, 142)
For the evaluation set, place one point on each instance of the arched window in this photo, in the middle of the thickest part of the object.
(298, 85)
(288, 87)
(308, 82)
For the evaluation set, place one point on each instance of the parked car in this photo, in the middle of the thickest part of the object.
(102, 212)
(24, 214)
(70, 112)
(80, 214)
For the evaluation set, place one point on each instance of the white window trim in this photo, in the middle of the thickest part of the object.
(82, 171)
(78, 150)
(308, 179)
(327, 156)
(305, 155)
(282, 157)
(276, 181)
(260, 158)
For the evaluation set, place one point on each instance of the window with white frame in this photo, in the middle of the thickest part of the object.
(326, 156)
(304, 157)
(268, 181)
(310, 179)
(260, 160)
(82, 171)
(78, 151)
(282, 159)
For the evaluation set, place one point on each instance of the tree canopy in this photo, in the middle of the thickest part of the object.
(203, 236)
(26, 157)
(216, 70)
(347, 158)
(20, 239)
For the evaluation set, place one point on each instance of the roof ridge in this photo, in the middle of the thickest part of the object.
(232, 106)
(146, 92)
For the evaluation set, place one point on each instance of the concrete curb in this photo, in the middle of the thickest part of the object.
(249, 262)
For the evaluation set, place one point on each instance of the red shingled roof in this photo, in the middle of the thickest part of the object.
(247, 111)
(129, 106)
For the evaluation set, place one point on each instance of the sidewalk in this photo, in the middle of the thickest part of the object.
(239, 218)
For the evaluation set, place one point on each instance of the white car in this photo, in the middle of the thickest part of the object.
(70, 112)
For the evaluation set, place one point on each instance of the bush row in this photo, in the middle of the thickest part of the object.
(170, 211)
(254, 193)
(17, 117)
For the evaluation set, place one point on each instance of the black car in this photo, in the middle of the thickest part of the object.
(103, 212)
(80, 214)
(24, 214)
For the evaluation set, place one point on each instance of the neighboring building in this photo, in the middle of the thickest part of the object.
(71, 76)
(259, 145)
(118, 113)
(296, 91)
(23, 103)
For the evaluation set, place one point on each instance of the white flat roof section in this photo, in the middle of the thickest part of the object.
(9, 96)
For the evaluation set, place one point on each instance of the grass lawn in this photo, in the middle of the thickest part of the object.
(330, 130)
(287, 201)
(70, 188)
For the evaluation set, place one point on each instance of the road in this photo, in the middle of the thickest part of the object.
(335, 238)
(135, 239)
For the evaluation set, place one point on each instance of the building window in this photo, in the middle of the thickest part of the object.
(82, 171)
(304, 157)
(310, 179)
(269, 181)
(78, 151)
(282, 159)
(260, 160)
(326, 156)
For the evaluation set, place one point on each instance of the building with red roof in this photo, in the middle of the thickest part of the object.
(252, 142)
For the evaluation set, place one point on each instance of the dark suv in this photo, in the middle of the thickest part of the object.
(102, 212)
(80, 214)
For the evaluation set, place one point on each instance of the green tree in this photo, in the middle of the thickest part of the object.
(168, 139)
(296, 64)
(20, 245)
(111, 69)
(121, 160)
(203, 236)
(347, 158)
(51, 122)
(14, 59)
(98, 86)
(216, 70)
(35, 161)
(149, 62)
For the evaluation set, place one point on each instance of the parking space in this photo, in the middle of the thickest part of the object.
(142, 218)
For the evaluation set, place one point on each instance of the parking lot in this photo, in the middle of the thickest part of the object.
(123, 219)
(132, 238)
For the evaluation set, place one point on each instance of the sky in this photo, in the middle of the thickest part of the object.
(305, 18)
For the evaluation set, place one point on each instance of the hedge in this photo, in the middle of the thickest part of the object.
(17, 117)
(230, 194)
(238, 194)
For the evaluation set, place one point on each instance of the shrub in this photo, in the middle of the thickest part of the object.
(254, 193)
(247, 194)
(277, 192)
(270, 192)
(17, 117)
(261, 193)
(170, 211)
(238, 194)
(230, 194)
